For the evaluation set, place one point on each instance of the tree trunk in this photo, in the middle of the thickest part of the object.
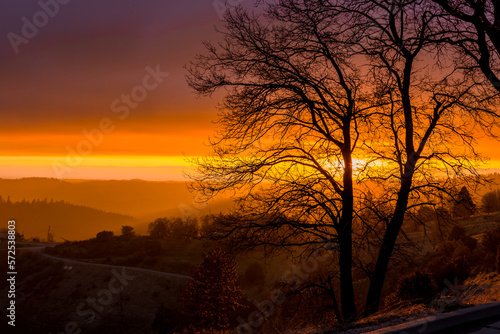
(391, 234)
(345, 242)
(346, 287)
(384, 256)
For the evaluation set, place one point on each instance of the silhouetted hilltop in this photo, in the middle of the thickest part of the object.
(132, 197)
(68, 221)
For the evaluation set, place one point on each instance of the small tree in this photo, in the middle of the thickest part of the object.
(464, 205)
(104, 236)
(160, 228)
(210, 298)
(491, 201)
(128, 231)
(50, 236)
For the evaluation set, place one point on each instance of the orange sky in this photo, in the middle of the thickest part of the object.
(63, 83)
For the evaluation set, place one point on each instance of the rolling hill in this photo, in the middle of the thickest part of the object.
(68, 221)
(141, 199)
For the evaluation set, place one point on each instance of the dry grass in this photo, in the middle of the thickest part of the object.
(484, 288)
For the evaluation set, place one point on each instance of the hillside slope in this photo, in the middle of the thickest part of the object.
(131, 197)
(68, 221)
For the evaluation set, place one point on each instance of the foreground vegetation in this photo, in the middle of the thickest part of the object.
(454, 265)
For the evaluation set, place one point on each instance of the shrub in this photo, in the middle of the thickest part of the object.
(458, 233)
(104, 236)
(417, 288)
(451, 261)
(491, 241)
(213, 295)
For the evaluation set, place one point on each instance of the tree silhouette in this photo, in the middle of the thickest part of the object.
(174, 227)
(213, 295)
(491, 201)
(159, 229)
(128, 231)
(464, 205)
(310, 87)
(475, 30)
(104, 236)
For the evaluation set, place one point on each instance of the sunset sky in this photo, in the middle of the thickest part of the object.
(69, 78)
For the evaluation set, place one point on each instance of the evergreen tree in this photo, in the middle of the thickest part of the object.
(128, 232)
(464, 206)
(213, 295)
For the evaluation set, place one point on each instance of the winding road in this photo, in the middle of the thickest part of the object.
(40, 249)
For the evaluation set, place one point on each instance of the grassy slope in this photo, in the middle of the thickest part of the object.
(49, 294)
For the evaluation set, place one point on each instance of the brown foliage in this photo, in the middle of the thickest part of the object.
(213, 295)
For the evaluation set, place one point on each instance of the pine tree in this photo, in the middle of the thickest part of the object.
(213, 295)
(464, 207)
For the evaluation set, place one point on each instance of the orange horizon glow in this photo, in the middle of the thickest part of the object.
(152, 168)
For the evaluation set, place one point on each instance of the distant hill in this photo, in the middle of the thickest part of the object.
(68, 221)
(141, 199)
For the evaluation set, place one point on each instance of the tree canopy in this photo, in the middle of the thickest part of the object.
(326, 101)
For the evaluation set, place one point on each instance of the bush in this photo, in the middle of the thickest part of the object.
(491, 241)
(213, 294)
(417, 288)
(458, 233)
(451, 261)
(104, 236)
(446, 272)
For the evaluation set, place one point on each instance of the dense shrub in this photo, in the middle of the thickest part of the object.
(213, 295)
(491, 241)
(459, 233)
(446, 272)
(450, 262)
(417, 288)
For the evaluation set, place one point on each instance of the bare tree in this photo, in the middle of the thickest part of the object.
(475, 28)
(312, 85)
(292, 118)
(424, 138)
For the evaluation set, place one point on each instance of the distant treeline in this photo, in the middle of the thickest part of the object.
(131, 197)
(66, 220)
